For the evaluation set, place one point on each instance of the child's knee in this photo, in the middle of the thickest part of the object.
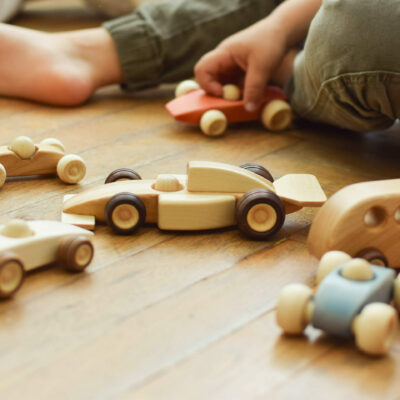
(348, 73)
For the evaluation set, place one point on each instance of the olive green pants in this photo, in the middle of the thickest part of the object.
(348, 74)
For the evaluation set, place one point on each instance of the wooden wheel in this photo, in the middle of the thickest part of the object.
(259, 214)
(373, 256)
(122, 174)
(55, 143)
(291, 312)
(259, 170)
(213, 123)
(185, 87)
(3, 175)
(76, 253)
(125, 213)
(329, 261)
(12, 274)
(23, 147)
(71, 169)
(375, 328)
(276, 115)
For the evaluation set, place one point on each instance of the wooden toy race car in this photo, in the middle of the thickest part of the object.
(352, 300)
(23, 158)
(362, 220)
(214, 113)
(211, 195)
(27, 245)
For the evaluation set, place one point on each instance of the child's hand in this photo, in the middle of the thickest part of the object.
(255, 52)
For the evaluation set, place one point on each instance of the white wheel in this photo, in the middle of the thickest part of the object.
(3, 175)
(276, 115)
(231, 92)
(330, 261)
(357, 269)
(292, 310)
(213, 123)
(396, 294)
(54, 142)
(185, 87)
(375, 328)
(23, 147)
(71, 168)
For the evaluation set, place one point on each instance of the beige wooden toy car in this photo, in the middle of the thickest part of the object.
(211, 195)
(24, 158)
(27, 245)
(362, 220)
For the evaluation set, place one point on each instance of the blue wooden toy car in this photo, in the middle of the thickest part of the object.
(352, 300)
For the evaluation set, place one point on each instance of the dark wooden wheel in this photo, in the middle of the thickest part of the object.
(373, 256)
(125, 213)
(75, 253)
(259, 170)
(122, 174)
(259, 214)
(12, 274)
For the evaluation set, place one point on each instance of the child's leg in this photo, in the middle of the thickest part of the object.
(349, 72)
(159, 43)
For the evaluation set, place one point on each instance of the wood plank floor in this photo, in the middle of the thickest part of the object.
(166, 315)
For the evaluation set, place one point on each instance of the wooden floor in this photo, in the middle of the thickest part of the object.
(163, 315)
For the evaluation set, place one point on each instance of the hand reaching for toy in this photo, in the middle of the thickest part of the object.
(254, 53)
(261, 53)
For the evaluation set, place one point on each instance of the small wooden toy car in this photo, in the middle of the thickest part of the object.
(362, 220)
(211, 195)
(23, 158)
(352, 300)
(27, 245)
(213, 113)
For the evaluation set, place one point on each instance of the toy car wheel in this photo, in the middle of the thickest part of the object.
(185, 87)
(75, 253)
(125, 213)
(12, 274)
(122, 174)
(373, 256)
(213, 123)
(375, 328)
(292, 313)
(23, 147)
(259, 170)
(3, 175)
(55, 143)
(71, 168)
(259, 214)
(276, 115)
(329, 261)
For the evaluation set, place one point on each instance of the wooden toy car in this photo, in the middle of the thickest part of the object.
(214, 113)
(23, 158)
(362, 220)
(352, 300)
(211, 195)
(27, 245)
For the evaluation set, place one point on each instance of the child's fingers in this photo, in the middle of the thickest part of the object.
(206, 74)
(257, 76)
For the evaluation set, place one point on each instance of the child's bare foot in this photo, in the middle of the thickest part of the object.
(61, 68)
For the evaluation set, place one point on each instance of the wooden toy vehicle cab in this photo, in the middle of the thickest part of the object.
(23, 158)
(27, 245)
(214, 113)
(362, 220)
(211, 195)
(352, 300)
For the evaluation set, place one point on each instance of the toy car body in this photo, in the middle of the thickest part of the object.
(45, 158)
(27, 245)
(352, 300)
(211, 195)
(362, 220)
(192, 107)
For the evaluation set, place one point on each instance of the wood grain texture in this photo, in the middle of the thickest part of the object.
(176, 315)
